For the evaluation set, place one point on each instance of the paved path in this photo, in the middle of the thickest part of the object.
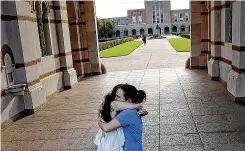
(187, 112)
(157, 53)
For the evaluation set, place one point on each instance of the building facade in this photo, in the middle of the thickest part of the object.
(46, 46)
(156, 17)
(218, 43)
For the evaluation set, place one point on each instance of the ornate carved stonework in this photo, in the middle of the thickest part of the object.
(42, 10)
(36, 4)
(230, 23)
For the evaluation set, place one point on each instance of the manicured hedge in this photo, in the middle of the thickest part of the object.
(185, 36)
(156, 36)
(112, 43)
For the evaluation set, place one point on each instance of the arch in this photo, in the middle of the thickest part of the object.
(125, 32)
(133, 32)
(5, 49)
(150, 31)
(7, 60)
(117, 33)
(166, 30)
(174, 29)
(142, 31)
(182, 28)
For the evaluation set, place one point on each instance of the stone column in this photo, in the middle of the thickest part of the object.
(63, 34)
(178, 28)
(76, 40)
(121, 33)
(204, 36)
(195, 34)
(186, 28)
(92, 66)
(213, 64)
(236, 77)
(155, 13)
(159, 9)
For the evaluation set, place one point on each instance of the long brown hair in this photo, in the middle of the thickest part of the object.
(130, 91)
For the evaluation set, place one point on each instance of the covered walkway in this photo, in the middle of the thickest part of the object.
(187, 111)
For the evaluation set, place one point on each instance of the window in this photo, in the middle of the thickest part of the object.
(133, 20)
(140, 19)
(161, 20)
(157, 20)
(186, 17)
(157, 10)
(154, 20)
(175, 17)
(181, 17)
(228, 23)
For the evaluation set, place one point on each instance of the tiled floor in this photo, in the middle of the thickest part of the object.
(187, 112)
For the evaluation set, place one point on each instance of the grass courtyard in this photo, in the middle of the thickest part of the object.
(180, 44)
(121, 50)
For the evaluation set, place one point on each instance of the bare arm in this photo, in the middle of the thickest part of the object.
(108, 127)
(118, 106)
(100, 109)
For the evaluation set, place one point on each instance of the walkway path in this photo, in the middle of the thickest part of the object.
(157, 53)
(187, 112)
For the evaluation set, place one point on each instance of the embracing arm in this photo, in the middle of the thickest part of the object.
(100, 109)
(108, 127)
(119, 106)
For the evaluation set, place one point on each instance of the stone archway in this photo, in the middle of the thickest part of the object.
(133, 32)
(142, 31)
(182, 28)
(174, 29)
(5, 49)
(125, 32)
(117, 33)
(8, 62)
(166, 30)
(150, 31)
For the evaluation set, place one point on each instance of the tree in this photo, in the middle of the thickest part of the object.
(106, 28)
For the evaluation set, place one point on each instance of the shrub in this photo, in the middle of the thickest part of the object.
(156, 35)
(186, 36)
(112, 43)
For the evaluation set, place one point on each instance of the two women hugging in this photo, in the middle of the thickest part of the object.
(120, 119)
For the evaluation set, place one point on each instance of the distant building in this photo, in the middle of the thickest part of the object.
(156, 17)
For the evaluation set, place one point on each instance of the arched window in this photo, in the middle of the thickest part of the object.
(166, 30)
(118, 33)
(174, 29)
(150, 31)
(133, 32)
(182, 28)
(7, 62)
(125, 32)
(142, 31)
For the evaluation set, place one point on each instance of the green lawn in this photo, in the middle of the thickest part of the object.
(121, 50)
(180, 44)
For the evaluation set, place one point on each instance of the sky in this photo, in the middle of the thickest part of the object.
(118, 8)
